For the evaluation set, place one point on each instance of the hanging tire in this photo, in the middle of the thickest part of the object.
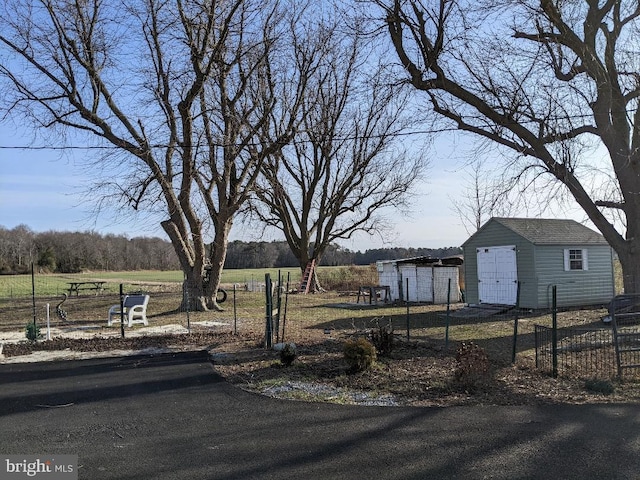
(221, 296)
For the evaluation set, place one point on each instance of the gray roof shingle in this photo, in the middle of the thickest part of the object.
(552, 231)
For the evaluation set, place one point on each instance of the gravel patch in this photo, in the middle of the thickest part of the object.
(328, 393)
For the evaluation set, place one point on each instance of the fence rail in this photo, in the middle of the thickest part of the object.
(576, 352)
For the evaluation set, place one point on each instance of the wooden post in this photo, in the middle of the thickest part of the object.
(121, 311)
(554, 332)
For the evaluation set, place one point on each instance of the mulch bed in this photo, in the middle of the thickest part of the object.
(416, 373)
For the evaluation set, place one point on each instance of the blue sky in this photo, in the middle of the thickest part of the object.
(34, 191)
(40, 188)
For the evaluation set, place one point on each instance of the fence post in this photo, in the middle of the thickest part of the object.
(407, 302)
(515, 325)
(286, 301)
(278, 305)
(268, 333)
(121, 311)
(48, 324)
(189, 310)
(554, 331)
(536, 332)
(446, 330)
(33, 300)
(235, 312)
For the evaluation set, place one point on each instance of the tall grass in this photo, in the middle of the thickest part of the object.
(347, 278)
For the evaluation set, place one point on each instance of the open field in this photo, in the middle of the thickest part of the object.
(17, 286)
(421, 369)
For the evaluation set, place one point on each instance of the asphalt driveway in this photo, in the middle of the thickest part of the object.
(172, 417)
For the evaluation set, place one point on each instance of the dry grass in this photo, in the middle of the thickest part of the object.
(421, 369)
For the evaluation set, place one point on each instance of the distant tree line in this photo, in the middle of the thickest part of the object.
(73, 252)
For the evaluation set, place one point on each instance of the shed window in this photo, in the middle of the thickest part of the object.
(575, 259)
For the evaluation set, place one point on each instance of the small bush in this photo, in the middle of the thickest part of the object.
(360, 354)
(288, 354)
(382, 339)
(473, 365)
(604, 387)
(32, 332)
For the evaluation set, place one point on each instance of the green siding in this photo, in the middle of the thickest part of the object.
(574, 288)
(540, 267)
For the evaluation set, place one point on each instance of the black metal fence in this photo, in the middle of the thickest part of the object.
(593, 352)
(576, 352)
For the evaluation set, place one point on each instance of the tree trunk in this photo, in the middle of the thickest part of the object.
(217, 256)
(201, 281)
(194, 296)
(630, 267)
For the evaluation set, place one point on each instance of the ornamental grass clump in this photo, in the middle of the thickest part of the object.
(360, 354)
(603, 387)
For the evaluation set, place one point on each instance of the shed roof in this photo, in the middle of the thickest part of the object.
(415, 260)
(548, 231)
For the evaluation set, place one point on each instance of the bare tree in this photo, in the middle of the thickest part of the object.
(346, 162)
(482, 196)
(191, 96)
(547, 80)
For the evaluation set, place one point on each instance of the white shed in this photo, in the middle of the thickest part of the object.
(423, 279)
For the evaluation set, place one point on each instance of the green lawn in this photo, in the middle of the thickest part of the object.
(18, 286)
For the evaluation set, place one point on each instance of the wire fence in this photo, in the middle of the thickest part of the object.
(582, 345)
(576, 352)
(611, 349)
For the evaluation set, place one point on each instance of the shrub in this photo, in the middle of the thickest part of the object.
(288, 354)
(382, 339)
(604, 387)
(32, 331)
(473, 365)
(360, 354)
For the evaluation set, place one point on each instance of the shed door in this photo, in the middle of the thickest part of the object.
(409, 275)
(424, 284)
(497, 275)
(389, 276)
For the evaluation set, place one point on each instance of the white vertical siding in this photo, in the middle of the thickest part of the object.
(388, 276)
(441, 277)
(426, 283)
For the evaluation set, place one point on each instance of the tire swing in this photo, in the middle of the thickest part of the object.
(221, 296)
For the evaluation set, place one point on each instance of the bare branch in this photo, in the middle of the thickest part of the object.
(564, 82)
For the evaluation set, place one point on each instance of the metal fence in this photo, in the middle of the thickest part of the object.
(576, 352)
(624, 316)
(595, 352)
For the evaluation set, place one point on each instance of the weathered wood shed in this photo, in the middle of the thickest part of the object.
(426, 279)
(537, 254)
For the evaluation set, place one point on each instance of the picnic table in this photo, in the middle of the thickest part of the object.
(75, 287)
(382, 292)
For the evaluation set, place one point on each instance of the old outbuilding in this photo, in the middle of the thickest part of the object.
(420, 279)
(509, 258)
